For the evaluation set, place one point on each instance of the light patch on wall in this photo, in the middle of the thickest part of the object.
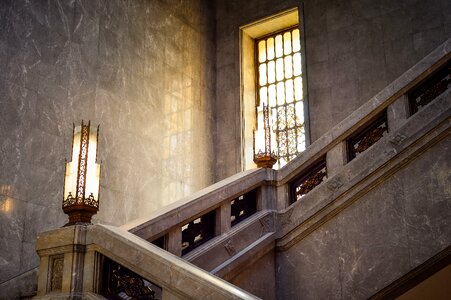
(6, 205)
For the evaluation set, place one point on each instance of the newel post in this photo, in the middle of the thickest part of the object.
(62, 255)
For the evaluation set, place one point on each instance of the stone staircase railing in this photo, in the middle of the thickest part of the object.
(335, 163)
(235, 222)
(100, 261)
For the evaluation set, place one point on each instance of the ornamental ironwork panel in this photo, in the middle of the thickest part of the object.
(118, 282)
(430, 89)
(308, 180)
(368, 136)
(243, 207)
(198, 231)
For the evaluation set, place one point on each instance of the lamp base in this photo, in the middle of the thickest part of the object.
(266, 161)
(79, 215)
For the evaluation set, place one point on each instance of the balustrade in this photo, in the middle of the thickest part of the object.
(354, 140)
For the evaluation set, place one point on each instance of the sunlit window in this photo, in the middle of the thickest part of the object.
(279, 81)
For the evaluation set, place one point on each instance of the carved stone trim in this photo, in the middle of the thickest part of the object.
(397, 139)
(334, 184)
(230, 248)
(55, 282)
(266, 225)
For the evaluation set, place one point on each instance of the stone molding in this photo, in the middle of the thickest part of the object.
(362, 174)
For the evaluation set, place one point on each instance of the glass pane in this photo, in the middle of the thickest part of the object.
(270, 48)
(296, 41)
(299, 113)
(297, 64)
(281, 119)
(291, 117)
(273, 116)
(272, 95)
(279, 47)
(292, 149)
(289, 89)
(287, 43)
(261, 51)
(301, 139)
(298, 88)
(262, 73)
(288, 67)
(271, 72)
(279, 69)
(282, 139)
(280, 93)
(263, 96)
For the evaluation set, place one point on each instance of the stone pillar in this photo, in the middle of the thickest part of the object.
(335, 159)
(283, 196)
(175, 241)
(397, 113)
(223, 218)
(266, 196)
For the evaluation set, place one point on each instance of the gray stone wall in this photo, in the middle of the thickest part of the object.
(383, 235)
(143, 70)
(353, 48)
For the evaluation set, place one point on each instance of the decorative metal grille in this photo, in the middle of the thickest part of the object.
(118, 282)
(430, 89)
(367, 137)
(198, 232)
(160, 242)
(308, 180)
(280, 87)
(243, 207)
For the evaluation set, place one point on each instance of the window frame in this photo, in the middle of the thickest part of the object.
(249, 34)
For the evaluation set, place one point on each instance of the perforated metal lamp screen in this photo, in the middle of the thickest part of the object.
(82, 176)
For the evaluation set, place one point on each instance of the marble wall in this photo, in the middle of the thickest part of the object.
(389, 231)
(353, 50)
(143, 70)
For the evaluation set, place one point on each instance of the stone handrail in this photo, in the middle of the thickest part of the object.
(80, 249)
(331, 146)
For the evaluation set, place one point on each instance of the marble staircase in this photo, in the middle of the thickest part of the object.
(340, 221)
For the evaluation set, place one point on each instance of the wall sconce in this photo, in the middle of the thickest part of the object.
(266, 158)
(82, 179)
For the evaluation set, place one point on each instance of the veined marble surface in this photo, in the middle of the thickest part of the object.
(143, 70)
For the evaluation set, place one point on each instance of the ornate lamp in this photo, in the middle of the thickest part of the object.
(264, 158)
(81, 182)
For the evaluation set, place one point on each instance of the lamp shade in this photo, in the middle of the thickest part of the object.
(82, 176)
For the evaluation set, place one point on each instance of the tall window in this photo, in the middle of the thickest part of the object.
(279, 86)
(273, 74)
